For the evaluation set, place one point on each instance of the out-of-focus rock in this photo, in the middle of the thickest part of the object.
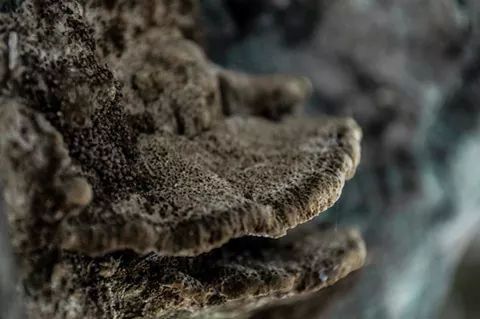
(408, 72)
(11, 306)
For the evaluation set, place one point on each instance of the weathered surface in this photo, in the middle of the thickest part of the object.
(123, 149)
(231, 280)
(246, 176)
(143, 117)
(40, 185)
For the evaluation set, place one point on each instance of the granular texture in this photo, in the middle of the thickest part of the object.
(164, 138)
(128, 159)
(233, 280)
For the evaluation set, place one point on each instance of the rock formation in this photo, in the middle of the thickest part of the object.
(129, 161)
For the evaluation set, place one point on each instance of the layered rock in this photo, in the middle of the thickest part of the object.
(123, 150)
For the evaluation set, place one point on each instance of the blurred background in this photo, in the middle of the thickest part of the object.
(409, 72)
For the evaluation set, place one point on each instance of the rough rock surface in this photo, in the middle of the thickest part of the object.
(119, 137)
(230, 280)
(246, 176)
(141, 112)
(234, 279)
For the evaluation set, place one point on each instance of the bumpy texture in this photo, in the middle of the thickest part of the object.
(246, 176)
(143, 116)
(232, 280)
(123, 150)
(40, 185)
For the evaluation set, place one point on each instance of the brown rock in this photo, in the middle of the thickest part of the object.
(141, 113)
(40, 185)
(230, 281)
(245, 177)
(119, 138)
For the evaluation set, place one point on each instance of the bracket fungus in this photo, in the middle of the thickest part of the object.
(129, 161)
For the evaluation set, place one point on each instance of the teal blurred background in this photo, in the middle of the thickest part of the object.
(409, 72)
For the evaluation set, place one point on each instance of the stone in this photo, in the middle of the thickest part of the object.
(174, 162)
(135, 170)
(228, 282)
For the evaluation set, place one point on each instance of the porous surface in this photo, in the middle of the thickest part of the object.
(246, 176)
(123, 150)
(152, 126)
(229, 281)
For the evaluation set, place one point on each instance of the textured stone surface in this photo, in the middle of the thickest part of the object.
(40, 185)
(243, 177)
(231, 280)
(142, 114)
(123, 150)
